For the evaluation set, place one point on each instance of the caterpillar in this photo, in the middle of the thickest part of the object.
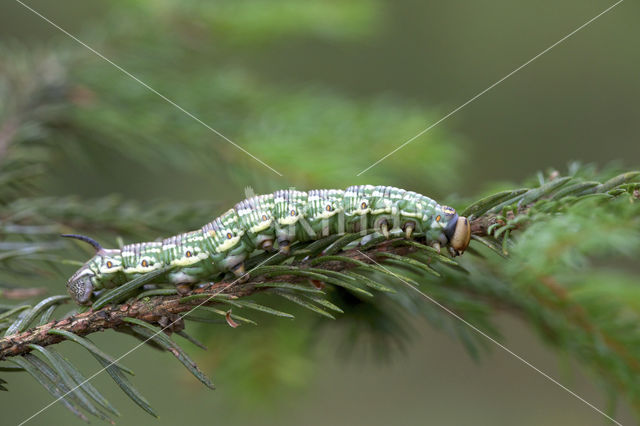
(268, 223)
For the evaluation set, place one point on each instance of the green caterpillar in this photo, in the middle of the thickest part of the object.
(267, 222)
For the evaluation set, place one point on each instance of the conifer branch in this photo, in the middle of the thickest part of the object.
(158, 309)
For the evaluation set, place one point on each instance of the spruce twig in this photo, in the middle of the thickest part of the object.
(157, 309)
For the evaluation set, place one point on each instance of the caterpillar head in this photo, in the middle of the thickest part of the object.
(80, 285)
(458, 232)
(101, 268)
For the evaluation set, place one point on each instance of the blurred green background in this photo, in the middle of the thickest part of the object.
(319, 90)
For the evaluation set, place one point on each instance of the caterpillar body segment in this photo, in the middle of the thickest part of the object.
(255, 216)
(323, 211)
(267, 222)
(289, 208)
(356, 203)
(223, 238)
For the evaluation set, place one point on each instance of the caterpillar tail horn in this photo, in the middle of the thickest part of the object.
(96, 245)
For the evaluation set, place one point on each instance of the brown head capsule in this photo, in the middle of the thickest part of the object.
(461, 235)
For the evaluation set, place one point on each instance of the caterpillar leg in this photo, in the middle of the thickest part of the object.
(408, 229)
(284, 245)
(240, 272)
(436, 245)
(266, 245)
(384, 228)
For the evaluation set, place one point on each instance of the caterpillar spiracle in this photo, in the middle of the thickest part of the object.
(272, 222)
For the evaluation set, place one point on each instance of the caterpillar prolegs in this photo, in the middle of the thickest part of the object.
(272, 222)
